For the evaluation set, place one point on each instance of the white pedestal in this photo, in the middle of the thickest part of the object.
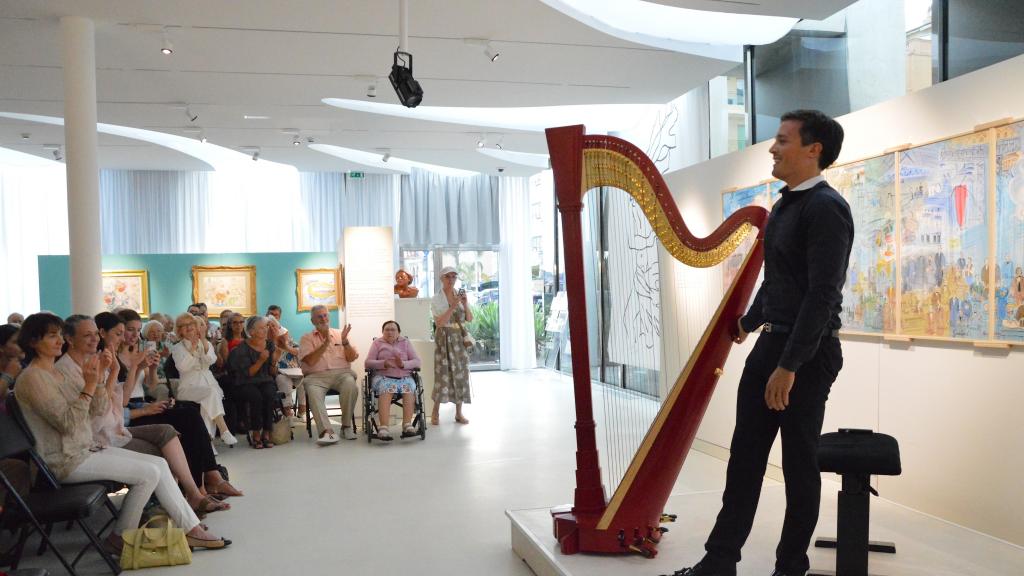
(413, 315)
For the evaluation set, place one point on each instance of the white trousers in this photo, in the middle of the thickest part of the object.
(144, 475)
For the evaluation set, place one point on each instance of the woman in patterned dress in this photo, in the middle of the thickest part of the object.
(451, 356)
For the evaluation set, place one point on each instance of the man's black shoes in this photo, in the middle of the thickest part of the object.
(703, 569)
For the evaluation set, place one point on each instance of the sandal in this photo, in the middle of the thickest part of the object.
(434, 421)
(209, 505)
(462, 420)
(267, 442)
(223, 490)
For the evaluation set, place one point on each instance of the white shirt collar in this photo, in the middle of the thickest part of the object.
(809, 183)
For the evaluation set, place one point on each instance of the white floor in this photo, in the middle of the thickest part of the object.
(436, 506)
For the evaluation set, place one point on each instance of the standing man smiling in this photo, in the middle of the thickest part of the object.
(797, 357)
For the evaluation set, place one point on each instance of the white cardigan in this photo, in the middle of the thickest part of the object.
(197, 383)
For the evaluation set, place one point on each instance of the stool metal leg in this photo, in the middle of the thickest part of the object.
(852, 526)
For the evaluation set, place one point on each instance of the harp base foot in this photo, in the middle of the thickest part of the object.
(574, 537)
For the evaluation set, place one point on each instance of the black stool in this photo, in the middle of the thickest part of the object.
(856, 455)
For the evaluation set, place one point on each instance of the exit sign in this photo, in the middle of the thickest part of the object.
(355, 174)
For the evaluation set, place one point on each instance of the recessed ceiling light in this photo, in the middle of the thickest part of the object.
(255, 117)
(168, 48)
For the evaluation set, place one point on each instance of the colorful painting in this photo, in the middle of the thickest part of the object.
(944, 238)
(869, 296)
(225, 288)
(1009, 272)
(318, 287)
(775, 192)
(126, 289)
(731, 202)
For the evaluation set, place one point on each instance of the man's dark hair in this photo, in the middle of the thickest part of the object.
(273, 308)
(815, 126)
(128, 315)
(34, 329)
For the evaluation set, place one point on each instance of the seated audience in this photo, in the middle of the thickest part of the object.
(183, 416)
(325, 355)
(193, 357)
(82, 336)
(290, 358)
(58, 411)
(251, 363)
(153, 340)
(143, 382)
(10, 359)
(392, 359)
(15, 318)
(284, 383)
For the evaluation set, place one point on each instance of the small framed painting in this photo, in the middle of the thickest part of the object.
(319, 287)
(225, 288)
(126, 289)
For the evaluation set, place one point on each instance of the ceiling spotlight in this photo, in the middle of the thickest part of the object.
(371, 91)
(491, 54)
(57, 155)
(481, 142)
(410, 94)
(192, 116)
(168, 48)
(310, 140)
(25, 135)
(255, 155)
(498, 145)
(386, 156)
(296, 141)
(202, 138)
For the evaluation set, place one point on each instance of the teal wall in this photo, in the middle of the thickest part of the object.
(170, 280)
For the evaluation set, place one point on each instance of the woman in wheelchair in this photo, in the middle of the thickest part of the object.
(392, 359)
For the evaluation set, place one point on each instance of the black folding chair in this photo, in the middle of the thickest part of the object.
(38, 509)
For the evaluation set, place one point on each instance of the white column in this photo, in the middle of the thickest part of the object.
(82, 165)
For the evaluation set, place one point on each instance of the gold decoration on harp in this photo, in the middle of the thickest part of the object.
(604, 167)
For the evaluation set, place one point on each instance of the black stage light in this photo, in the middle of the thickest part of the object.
(410, 94)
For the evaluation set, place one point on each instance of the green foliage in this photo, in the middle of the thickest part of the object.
(485, 328)
(539, 321)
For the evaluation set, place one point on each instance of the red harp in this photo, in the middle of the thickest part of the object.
(630, 520)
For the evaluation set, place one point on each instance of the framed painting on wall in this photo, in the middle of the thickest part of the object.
(319, 287)
(732, 201)
(1009, 217)
(869, 295)
(944, 244)
(126, 289)
(225, 288)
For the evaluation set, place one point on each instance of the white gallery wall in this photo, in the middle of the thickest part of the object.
(957, 411)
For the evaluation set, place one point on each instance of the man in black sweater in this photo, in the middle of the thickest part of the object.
(797, 357)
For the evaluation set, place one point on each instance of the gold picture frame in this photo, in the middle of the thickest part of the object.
(319, 286)
(126, 289)
(225, 288)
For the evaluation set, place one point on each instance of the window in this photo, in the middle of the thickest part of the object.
(981, 33)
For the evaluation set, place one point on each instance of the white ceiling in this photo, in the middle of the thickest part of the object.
(279, 59)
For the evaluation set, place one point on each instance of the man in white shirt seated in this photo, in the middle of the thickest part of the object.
(325, 356)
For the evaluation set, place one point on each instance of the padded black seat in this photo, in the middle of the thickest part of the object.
(71, 502)
(855, 455)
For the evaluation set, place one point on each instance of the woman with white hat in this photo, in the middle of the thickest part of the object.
(451, 353)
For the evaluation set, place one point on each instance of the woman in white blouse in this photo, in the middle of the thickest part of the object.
(193, 357)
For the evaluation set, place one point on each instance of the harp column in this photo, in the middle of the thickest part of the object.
(589, 499)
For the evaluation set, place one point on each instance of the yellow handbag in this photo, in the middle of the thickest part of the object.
(147, 547)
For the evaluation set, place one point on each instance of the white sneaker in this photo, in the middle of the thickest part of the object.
(228, 438)
(349, 433)
(410, 430)
(383, 433)
(327, 438)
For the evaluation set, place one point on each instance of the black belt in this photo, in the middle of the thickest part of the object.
(136, 399)
(770, 328)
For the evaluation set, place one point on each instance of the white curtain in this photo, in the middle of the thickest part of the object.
(154, 212)
(518, 347)
(448, 210)
(33, 221)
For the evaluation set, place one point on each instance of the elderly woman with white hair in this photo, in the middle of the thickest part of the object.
(252, 365)
(193, 357)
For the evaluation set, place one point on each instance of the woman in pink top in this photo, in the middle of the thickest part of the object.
(392, 357)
